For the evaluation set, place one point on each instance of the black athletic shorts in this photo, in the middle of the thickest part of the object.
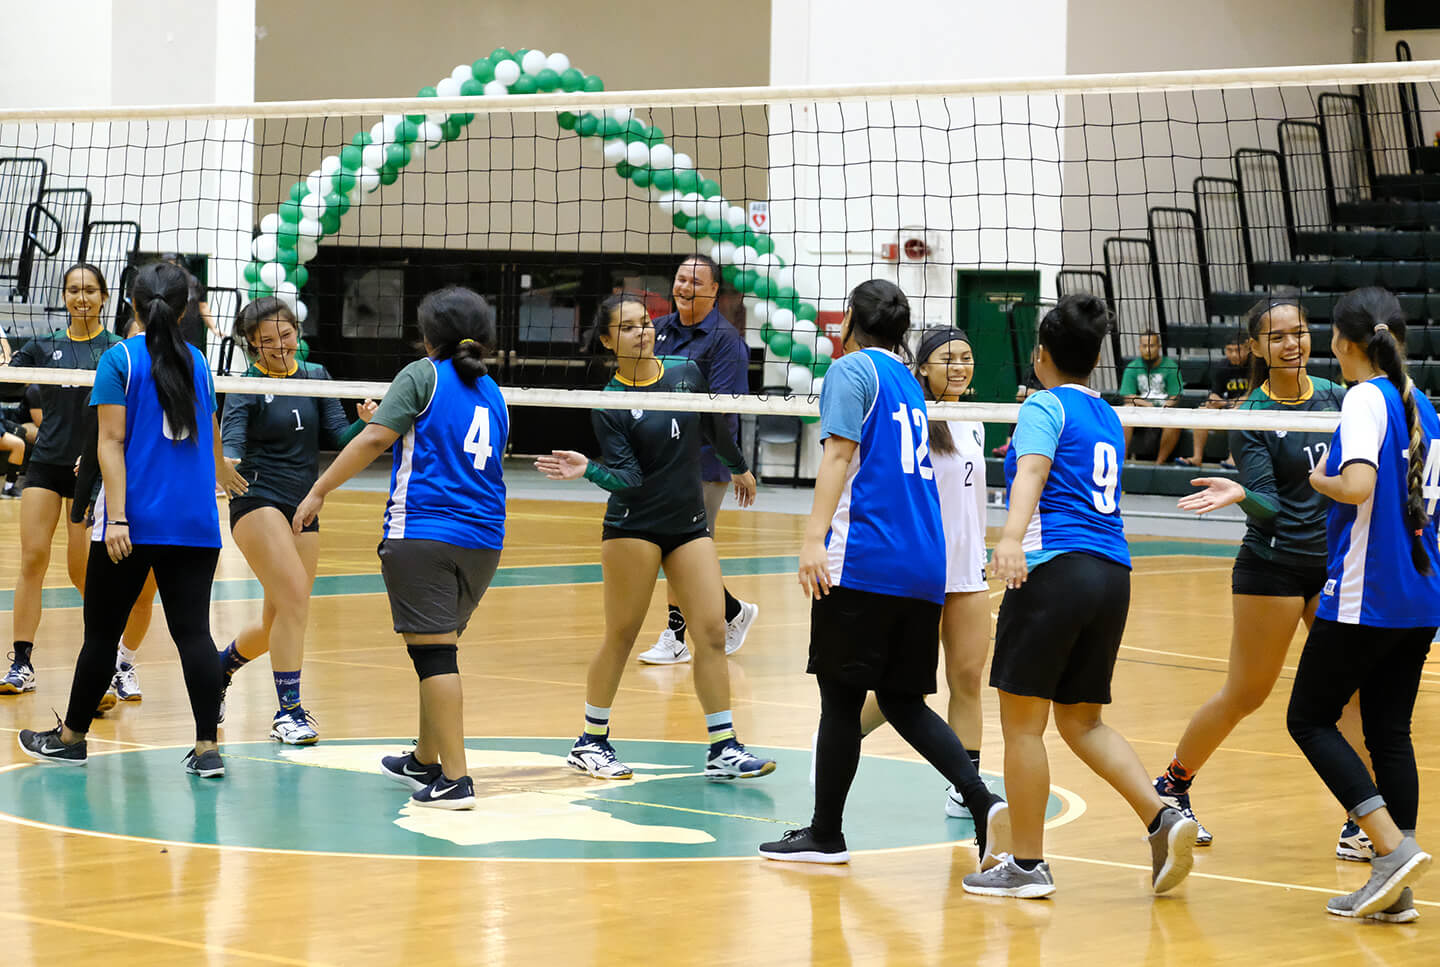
(875, 641)
(51, 476)
(1058, 633)
(1252, 574)
(240, 506)
(666, 542)
(434, 587)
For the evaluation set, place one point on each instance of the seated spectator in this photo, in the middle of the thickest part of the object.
(1151, 380)
(1228, 388)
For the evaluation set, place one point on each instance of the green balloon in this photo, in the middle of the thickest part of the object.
(642, 176)
(289, 211)
(686, 180)
(472, 88)
(499, 54)
(343, 182)
(764, 287)
(330, 222)
(252, 272)
(259, 290)
(587, 126)
(406, 131)
(566, 120)
(636, 130)
(388, 175)
(483, 71)
(663, 179)
(286, 256)
(806, 311)
(594, 85)
(286, 234)
(731, 274)
(709, 188)
(781, 344)
(699, 226)
(299, 190)
(763, 244)
(337, 203)
(801, 353)
(520, 54)
(654, 136)
(362, 139)
(821, 363)
(298, 275)
(524, 84)
(426, 91)
(766, 332)
(787, 298)
(547, 80)
(572, 80)
(735, 234)
(452, 126)
(611, 128)
(350, 157)
(747, 281)
(680, 220)
(397, 155)
(623, 169)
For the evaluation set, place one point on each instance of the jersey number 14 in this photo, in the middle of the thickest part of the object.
(477, 438)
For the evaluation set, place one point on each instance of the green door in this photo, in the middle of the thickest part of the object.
(997, 309)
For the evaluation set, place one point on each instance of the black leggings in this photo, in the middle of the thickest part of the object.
(184, 576)
(837, 750)
(1384, 665)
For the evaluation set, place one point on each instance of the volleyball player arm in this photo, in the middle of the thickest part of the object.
(1008, 559)
(358, 454)
(814, 570)
(1362, 428)
(1255, 491)
(617, 469)
(716, 431)
(110, 449)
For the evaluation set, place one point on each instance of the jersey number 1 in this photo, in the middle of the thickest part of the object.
(912, 456)
(477, 438)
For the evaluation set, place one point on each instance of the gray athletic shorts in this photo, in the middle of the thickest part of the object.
(434, 587)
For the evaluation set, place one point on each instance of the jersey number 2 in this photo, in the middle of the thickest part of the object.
(911, 455)
(1106, 476)
(477, 438)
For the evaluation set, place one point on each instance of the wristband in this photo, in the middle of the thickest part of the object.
(117, 523)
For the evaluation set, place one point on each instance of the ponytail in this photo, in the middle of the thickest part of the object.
(459, 325)
(161, 294)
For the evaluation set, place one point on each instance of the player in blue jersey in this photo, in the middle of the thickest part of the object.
(275, 440)
(650, 463)
(1380, 605)
(873, 563)
(160, 456)
(1066, 566)
(444, 525)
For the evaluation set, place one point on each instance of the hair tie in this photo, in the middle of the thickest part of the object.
(464, 341)
(1381, 327)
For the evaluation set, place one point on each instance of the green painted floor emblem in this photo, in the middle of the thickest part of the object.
(330, 798)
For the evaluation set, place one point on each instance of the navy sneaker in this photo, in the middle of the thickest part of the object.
(409, 771)
(47, 747)
(19, 679)
(731, 760)
(447, 794)
(206, 765)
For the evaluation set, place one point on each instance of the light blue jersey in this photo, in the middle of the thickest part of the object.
(1079, 508)
(1371, 579)
(446, 483)
(886, 536)
(169, 483)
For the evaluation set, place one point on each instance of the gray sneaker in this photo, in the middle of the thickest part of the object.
(1401, 911)
(1008, 879)
(1389, 875)
(1172, 849)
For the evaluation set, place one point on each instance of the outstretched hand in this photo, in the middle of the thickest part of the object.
(745, 487)
(1219, 492)
(563, 465)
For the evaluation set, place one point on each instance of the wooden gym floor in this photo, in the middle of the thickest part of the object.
(130, 861)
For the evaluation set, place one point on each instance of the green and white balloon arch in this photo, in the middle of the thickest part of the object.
(290, 235)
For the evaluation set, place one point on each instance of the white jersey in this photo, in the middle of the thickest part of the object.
(960, 478)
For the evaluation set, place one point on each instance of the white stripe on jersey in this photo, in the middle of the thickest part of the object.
(840, 523)
(1358, 443)
(98, 532)
(396, 528)
(1350, 596)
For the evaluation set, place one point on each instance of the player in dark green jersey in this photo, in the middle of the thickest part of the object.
(650, 463)
(50, 477)
(1280, 569)
(274, 440)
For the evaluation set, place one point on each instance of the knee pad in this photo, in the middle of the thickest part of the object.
(432, 660)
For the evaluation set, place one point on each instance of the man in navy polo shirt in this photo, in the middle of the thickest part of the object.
(697, 331)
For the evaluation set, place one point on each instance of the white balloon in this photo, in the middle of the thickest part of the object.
(804, 332)
(377, 135)
(305, 249)
(312, 206)
(534, 61)
(715, 257)
(461, 74)
(800, 379)
(815, 385)
(637, 153)
(507, 72)
(373, 156)
(727, 253)
(264, 248)
(367, 178)
(712, 208)
(431, 133)
(616, 151)
(690, 203)
(662, 156)
(272, 274)
(449, 87)
(745, 256)
(558, 63)
(309, 228)
(667, 202)
(783, 320)
(825, 346)
(329, 166)
(784, 277)
(495, 89)
(683, 160)
(766, 259)
(301, 312)
(270, 224)
(621, 114)
(735, 215)
(391, 122)
(287, 292)
(317, 183)
(762, 312)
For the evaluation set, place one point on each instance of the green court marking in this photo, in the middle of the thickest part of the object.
(331, 798)
(248, 589)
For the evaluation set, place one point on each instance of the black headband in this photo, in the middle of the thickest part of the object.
(935, 338)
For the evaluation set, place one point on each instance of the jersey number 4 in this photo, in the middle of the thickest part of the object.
(911, 455)
(477, 438)
(1430, 478)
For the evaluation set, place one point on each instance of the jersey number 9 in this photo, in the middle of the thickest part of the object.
(1106, 477)
(912, 456)
(477, 438)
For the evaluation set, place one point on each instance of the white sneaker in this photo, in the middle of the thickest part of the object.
(594, 754)
(955, 807)
(294, 727)
(737, 629)
(126, 685)
(670, 650)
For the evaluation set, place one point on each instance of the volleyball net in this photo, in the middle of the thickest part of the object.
(1180, 199)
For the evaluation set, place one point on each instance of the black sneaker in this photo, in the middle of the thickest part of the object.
(447, 794)
(409, 771)
(206, 765)
(47, 747)
(800, 846)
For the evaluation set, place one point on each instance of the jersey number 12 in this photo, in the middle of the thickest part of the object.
(477, 438)
(912, 456)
